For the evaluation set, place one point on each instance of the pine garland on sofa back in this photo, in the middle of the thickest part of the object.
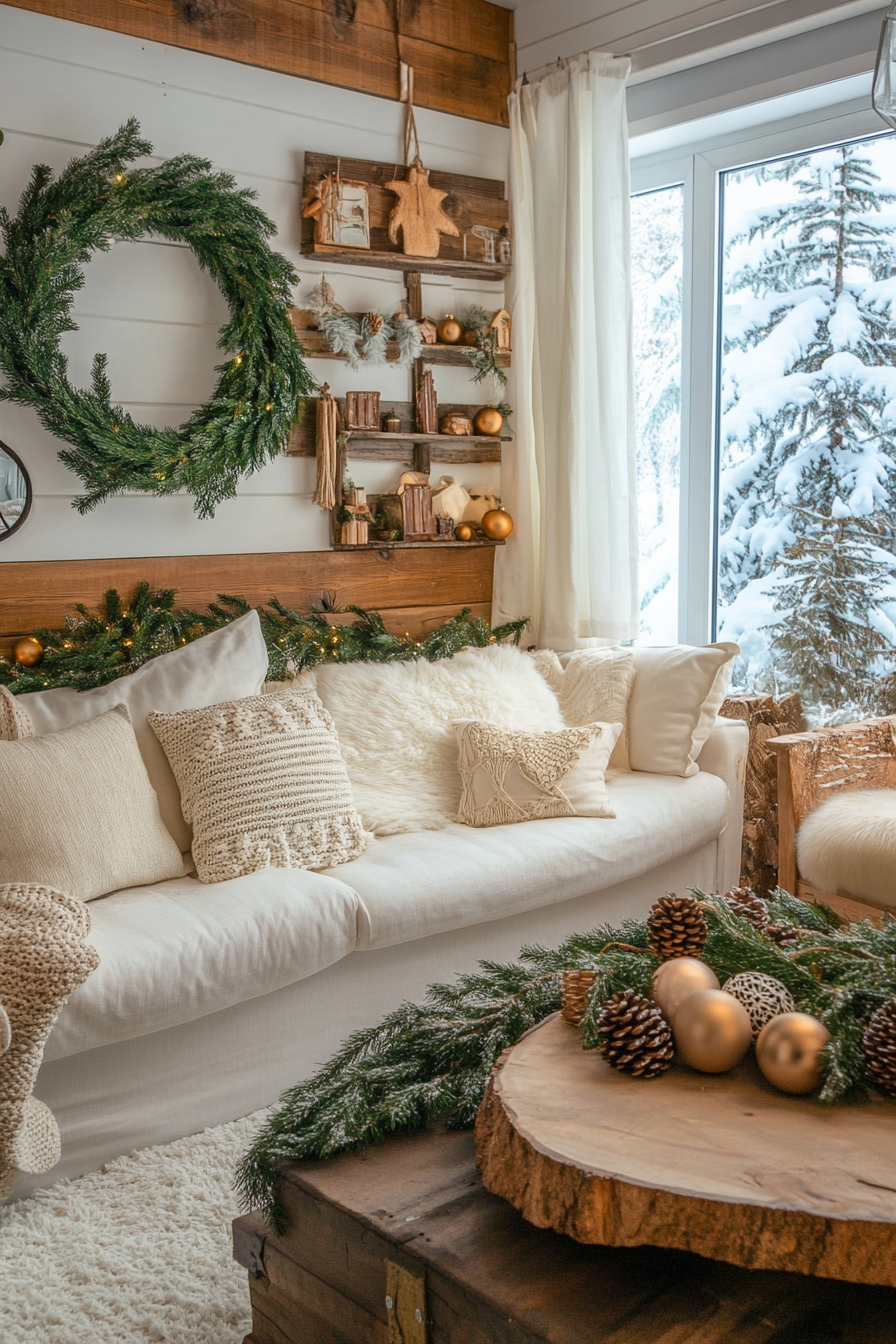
(96, 648)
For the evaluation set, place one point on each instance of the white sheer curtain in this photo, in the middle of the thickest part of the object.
(568, 479)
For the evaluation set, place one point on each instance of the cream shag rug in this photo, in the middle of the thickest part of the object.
(140, 1250)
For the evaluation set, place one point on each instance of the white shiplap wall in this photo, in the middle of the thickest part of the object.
(63, 86)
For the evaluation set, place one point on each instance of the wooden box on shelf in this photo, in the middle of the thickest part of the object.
(362, 410)
(418, 523)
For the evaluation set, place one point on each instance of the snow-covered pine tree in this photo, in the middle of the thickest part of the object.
(829, 642)
(809, 385)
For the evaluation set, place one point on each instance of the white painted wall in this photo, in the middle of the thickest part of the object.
(63, 87)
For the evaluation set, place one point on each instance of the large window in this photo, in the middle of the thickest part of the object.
(765, 332)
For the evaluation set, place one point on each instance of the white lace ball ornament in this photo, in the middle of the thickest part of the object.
(763, 996)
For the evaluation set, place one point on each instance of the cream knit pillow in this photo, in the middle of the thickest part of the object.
(593, 686)
(263, 783)
(79, 813)
(511, 776)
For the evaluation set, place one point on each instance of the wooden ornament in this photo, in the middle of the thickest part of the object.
(28, 651)
(675, 980)
(488, 420)
(355, 532)
(418, 523)
(427, 405)
(788, 1052)
(326, 431)
(362, 410)
(500, 325)
(497, 524)
(712, 1031)
(450, 330)
(429, 331)
(464, 532)
(419, 216)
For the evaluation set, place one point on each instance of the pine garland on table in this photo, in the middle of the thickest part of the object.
(96, 648)
(431, 1061)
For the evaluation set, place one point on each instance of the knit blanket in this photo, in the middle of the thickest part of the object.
(44, 956)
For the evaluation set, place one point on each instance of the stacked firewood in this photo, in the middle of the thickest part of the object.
(765, 717)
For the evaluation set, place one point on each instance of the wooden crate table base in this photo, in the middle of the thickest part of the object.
(407, 1226)
(722, 1165)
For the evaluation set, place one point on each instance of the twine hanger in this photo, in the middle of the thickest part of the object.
(406, 95)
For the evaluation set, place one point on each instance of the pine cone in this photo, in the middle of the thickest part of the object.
(745, 902)
(785, 935)
(575, 986)
(676, 927)
(879, 1046)
(374, 323)
(634, 1036)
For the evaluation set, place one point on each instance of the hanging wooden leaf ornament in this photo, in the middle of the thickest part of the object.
(418, 214)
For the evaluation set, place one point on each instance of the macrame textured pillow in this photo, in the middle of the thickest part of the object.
(263, 783)
(511, 776)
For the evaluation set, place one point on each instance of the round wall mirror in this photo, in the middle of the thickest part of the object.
(15, 492)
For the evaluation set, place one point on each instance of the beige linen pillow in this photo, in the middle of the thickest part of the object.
(677, 693)
(511, 776)
(263, 784)
(225, 665)
(79, 813)
(593, 686)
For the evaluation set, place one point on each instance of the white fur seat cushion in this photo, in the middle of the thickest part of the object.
(849, 844)
(394, 722)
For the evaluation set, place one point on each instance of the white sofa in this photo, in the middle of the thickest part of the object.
(210, 1000)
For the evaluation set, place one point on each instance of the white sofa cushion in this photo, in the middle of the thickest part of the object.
(224, 665)
(676, 696)
(394, 722)
(79, 813)
(180, 950)
(593, 686)
(411, 886)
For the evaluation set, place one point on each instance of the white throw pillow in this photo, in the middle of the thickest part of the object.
(263, 783)
(593, 686)
(226, 665)
(510, 776)
(676, 696)
(394, 722)
(79, 812)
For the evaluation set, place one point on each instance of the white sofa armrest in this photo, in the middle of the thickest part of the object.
(725, 754)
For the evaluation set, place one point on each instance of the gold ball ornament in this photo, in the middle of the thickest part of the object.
(28, 651)
(788, 1052)
(488, 420)
(712, 1031)
(450, 331)
(675, 980)
(463, 532)
(497, 524)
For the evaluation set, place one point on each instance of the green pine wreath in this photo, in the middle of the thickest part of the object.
(101, 198)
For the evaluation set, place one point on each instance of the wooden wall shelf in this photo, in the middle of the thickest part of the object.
(375, 446)
(316, 346)
(435, 545)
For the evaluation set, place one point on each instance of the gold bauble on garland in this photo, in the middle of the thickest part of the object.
(497, 524)
(712, 1031)
(28, 651)
(788, 1052)
(675, 980)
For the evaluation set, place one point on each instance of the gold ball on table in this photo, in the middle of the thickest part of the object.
(788, 1052)
(675, 980)
(497, 524)
(712, 1031)
(28, 651)
(463, 532)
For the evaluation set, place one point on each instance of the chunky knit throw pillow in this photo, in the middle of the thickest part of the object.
(44, 955)
(263, 783)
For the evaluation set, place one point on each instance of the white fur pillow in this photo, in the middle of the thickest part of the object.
(394, 722)
(593, 686)
(849, 844)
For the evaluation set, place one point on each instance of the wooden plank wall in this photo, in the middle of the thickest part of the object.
(414, 589)
(461, 50)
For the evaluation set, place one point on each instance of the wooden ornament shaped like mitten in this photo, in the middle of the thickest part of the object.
(44, 957)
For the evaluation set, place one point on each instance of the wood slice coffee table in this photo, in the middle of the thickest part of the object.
(722, 1165)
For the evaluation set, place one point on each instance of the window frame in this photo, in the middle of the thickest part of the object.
(698, 169)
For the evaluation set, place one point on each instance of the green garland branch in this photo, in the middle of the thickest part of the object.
(431, 1061)
(97, 647)
(100, 199)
